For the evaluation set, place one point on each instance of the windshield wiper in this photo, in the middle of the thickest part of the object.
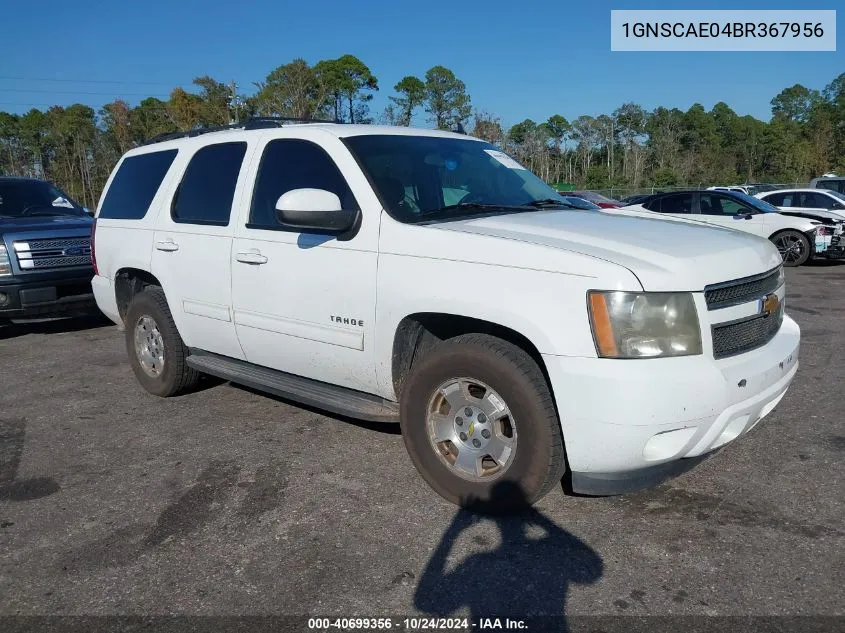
(545, 203)
(469, 206)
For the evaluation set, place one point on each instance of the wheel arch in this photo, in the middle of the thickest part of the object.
(128, 282)
(418, 333)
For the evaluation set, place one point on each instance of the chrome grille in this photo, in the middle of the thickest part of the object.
(730, 339)
(741, 290)
(46, 254)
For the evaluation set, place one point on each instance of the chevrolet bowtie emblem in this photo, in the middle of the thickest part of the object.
(470, 429)
(769, 304)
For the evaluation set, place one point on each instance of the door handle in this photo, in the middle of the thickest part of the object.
(168, 246)
(251, 257)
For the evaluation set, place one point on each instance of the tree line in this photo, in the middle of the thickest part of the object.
(76, 146)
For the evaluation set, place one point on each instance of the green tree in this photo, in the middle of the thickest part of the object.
(794, 104)
(411, 95)
(215, 100)
(350, 84)
(292, 90)
(446, 98)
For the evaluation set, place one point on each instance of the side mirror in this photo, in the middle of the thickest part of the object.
(743, 216)
(313, 210)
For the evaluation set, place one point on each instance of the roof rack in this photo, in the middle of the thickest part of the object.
(253, 123)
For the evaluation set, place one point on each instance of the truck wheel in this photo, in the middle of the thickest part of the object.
(156, 351)
(794, 247)
(475, 412)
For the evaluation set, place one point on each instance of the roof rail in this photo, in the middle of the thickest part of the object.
(253, 123)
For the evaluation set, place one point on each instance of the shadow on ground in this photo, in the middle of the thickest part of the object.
(525, 577)
(52, 326)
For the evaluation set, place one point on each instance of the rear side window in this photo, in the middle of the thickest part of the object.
(289, 164)
(779, 199)
(673, 203)
(135, 185)
(207, 189)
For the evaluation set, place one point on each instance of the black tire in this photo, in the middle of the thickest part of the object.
(175, 376)
(798, 241)
(538, 461)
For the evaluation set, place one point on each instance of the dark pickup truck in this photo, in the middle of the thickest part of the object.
(45, 251)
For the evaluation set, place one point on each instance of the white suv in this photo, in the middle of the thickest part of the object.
(425, 277)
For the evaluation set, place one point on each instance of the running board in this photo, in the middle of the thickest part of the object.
(307, 391)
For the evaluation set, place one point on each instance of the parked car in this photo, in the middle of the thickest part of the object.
(45, 251)
(512, 338)
(596, 198)
(751, 190)
(830, 182)
(817, 204)
(797, 238)
(635, 199)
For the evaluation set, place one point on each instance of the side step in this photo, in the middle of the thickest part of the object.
(307, 391)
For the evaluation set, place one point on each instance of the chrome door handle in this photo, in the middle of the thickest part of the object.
(251, 257)
(168, 246)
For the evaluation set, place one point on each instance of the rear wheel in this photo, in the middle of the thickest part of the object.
(156, 351)
(794, 247)
(477, 418)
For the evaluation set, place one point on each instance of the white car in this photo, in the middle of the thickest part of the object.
(811, 203)
(797, 238)
(427, 278)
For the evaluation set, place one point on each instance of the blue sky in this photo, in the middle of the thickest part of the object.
(527, 59)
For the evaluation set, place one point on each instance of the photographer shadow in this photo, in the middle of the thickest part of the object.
(523, 578)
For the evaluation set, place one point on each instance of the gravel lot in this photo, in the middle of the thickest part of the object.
(227, 502)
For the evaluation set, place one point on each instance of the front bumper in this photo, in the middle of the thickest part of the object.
(56, 297)
(629, 424)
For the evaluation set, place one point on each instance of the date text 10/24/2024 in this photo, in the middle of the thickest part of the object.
(415, 624)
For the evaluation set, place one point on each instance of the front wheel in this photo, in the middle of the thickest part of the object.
(795, 247)
(478, 418)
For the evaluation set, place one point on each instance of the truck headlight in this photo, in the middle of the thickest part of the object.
(644, 324)
(5, 266)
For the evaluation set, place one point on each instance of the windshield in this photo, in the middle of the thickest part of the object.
(760, 205)
(836, 194)
(427, 177)
(23, 198)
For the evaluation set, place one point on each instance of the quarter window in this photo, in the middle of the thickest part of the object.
(135, 185)
(289, 164)
(679, 203)
(207, 190)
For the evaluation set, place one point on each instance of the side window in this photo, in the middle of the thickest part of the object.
(834, 185)
(207, 189)
(135, 185)
(817, 201)
(778, 199)
(721, 205)
(675, 203)
(289, 164)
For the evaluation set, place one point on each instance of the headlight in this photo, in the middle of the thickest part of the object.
(644, 324)
(5, 266)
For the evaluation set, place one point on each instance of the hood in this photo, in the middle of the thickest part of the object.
(665, 255)
(45, 223)
(826, 217)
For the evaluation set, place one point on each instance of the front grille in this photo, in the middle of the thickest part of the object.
(730, 339)
(741, 290)
(46, 254)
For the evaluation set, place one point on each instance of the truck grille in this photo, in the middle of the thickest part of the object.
(741, 290)
(730, 339)
(47, 254)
